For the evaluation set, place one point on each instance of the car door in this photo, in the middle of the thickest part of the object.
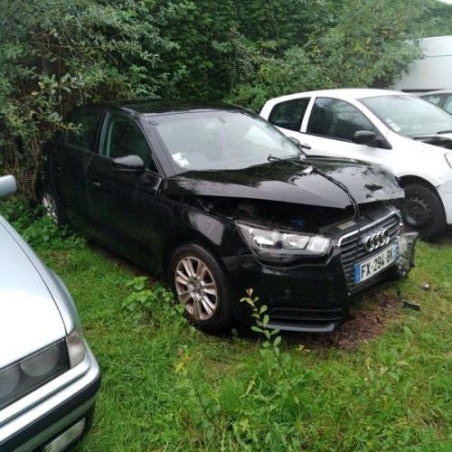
(68, 159)
(326, 127)
(123, 202)
(329, 129)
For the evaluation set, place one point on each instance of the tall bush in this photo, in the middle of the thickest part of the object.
(56, 54)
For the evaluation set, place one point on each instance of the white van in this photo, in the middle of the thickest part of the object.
(433, 71)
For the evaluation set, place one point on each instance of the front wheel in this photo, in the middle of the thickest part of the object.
(200, 284)
(422, 210)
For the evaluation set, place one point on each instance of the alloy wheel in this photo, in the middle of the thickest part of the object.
(50, 207)
(196, 288)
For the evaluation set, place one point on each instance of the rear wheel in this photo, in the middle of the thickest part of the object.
(200, 284)
(423, 211)
(50, 205)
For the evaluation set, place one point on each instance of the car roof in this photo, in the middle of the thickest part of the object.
(343, 93)
(159, 106)
(438, 91)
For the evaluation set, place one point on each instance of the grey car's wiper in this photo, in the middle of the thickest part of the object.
(444, 131)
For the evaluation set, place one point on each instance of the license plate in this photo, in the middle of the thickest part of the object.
(375, 264)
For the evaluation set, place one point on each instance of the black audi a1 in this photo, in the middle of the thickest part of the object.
(217, 200)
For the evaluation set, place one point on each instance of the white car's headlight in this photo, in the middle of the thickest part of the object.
(278, 246)
(448, 158)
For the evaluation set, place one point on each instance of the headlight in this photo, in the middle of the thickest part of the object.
(282, 246)
(448, 157)
(24, 376)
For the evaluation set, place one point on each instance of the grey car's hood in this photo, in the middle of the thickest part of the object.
(29, 317)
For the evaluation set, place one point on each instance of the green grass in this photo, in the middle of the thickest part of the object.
(168, 387)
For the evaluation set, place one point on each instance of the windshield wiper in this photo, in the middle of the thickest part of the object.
(272, 158)
(444, 131)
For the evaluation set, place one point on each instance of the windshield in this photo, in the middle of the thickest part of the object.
(409, 115)
(211, 140)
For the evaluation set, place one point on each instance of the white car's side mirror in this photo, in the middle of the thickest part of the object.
(8, 186)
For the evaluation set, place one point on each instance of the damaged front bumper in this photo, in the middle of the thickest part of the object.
(309, 297)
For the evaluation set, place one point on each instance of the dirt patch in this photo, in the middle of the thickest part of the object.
(369, 317)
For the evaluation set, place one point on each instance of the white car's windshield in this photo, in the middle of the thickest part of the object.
(210, 140)
(409, 115)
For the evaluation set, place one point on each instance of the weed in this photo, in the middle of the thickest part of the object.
(36, 228)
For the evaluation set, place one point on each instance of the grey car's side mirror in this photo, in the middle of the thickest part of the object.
(8, 186)
(131, 163)
(364, 137)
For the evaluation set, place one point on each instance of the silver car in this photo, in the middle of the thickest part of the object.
(49, 378)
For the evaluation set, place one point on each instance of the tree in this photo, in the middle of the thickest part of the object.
(59, 53)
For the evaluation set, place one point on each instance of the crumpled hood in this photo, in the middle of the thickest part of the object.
(29, 317)
(286, 181)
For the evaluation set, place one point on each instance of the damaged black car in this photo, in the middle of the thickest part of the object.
(217, 200)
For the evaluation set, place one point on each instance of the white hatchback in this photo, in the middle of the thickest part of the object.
(410, 136)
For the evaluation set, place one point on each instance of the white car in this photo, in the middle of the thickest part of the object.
(442, 98)
(410, 136)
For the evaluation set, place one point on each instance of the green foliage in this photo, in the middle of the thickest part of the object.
(145, 299)
(364, 44)
(38, 229)
(437, 20)
(56, 54)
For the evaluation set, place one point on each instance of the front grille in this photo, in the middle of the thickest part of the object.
(353, 251)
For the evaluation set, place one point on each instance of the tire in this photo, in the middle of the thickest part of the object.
(51, 208)
(201, 285)
(423, 211)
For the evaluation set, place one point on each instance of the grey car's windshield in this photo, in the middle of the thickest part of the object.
(409, 115)
(220, 139)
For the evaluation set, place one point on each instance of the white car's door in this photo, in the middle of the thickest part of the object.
(327, 125)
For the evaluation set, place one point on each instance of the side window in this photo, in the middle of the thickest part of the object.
(337, 119)
(85, 136)
(123, 137)
(289, 114)
(433, 98)
(448, 104)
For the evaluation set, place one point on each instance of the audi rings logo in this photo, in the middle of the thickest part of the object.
(377, 240)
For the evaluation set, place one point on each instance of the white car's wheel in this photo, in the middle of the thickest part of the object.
(423, 211)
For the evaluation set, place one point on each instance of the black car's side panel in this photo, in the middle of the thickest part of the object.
(124, 210)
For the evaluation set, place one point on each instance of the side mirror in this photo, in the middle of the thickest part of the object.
(364, 137)
(299, 144)
(8, 186)
(295, 141)
(130, 163)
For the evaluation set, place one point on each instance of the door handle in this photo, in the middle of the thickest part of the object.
(95, 183)
(305, 146)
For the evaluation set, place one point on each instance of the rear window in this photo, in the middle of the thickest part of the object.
(289, 114)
